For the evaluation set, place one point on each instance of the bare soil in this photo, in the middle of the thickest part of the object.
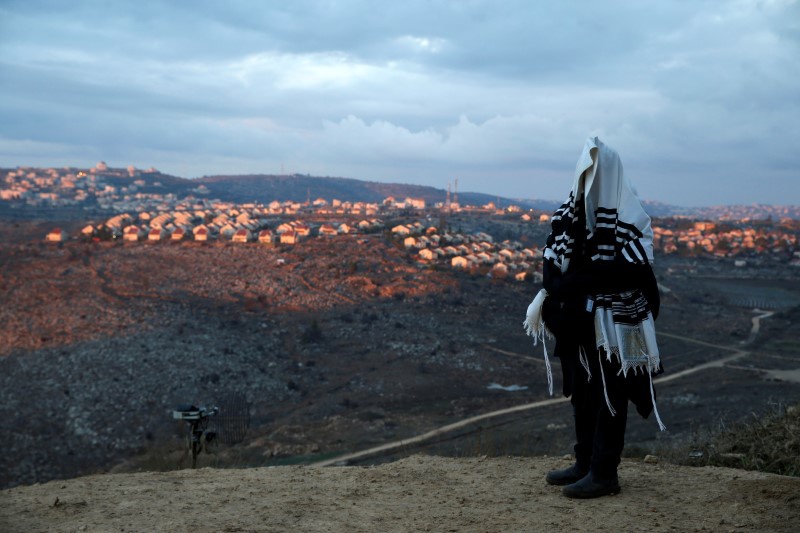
(419, 493)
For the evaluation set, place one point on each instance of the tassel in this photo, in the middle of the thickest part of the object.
(584, 362)
(661, 425)
(605, 389)
(533, 323)
(534, 326)
(549, 369)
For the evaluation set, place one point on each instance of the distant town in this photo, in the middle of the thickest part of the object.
(138, 211)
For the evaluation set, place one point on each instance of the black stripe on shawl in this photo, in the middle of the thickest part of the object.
(560, 242)
(638, 244)
(630, 308)
(600, 243)
(606, 211)
(629, 254)
(623, 236)
(629, 228)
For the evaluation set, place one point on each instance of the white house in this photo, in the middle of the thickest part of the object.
(416, 203)
(132, 233)
(156, 234)
(507, 255)
(289, 237)
(242, 235)
(459, 261)
(302, 229)
(327, 230)
(499, 270)
(483, 257)
(284, 227)
(265, 236)
(56, 235)
(201, 233)
(179, 233)
(227, 231)
(428, 254)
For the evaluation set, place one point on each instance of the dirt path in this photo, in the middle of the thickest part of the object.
(393, 446)
(415, 494)
(438, 432)
(756, 321)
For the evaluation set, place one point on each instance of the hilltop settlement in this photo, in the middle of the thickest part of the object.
(147, 206)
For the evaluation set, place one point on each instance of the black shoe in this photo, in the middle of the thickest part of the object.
(566, 476)
(591, 486)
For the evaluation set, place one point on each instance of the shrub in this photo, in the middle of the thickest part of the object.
(768, 443)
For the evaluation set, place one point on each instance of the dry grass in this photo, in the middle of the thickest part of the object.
(768, 443)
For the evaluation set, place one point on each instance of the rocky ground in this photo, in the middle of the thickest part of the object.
(419, 493)
(337, 346)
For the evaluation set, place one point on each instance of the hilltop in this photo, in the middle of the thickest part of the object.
(301, 187)
(56, 192)
(108, 189)
(420, 493)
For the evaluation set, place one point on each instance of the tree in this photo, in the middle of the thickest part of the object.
(313, 333)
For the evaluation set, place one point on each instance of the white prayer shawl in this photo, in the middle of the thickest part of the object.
(617, 228)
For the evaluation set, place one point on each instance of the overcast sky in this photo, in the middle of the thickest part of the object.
(700, 98)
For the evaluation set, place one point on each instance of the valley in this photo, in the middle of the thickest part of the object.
(338, 345)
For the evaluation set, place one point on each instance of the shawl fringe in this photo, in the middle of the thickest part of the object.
(535, 327)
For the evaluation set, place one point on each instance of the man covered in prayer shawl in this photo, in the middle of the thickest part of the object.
(599, 301)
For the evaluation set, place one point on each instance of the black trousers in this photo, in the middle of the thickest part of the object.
(600, 434)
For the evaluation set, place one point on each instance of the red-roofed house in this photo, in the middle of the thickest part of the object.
(201, 233)
(289, 237)
(179, 234)
(266, 236)
(326, 230)
(302, 229)
(157, 234)
(132, 233)
(242, 235)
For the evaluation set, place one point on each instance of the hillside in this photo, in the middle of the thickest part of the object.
(299, 188)
(339, 346)
(68, 193)
(420, 493)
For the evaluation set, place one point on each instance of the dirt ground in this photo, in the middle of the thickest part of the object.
(419, 493)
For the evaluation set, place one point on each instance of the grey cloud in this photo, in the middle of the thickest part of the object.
(499, 93)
